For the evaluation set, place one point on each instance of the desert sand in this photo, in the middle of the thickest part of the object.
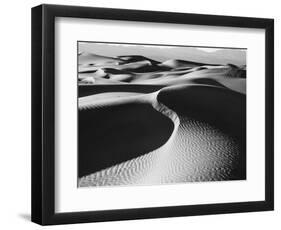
(145, 122)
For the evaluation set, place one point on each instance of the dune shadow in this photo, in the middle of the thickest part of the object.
(86, 90)
(113, 134)
(208, 81)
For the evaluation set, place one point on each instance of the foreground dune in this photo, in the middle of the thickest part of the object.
(172, 144)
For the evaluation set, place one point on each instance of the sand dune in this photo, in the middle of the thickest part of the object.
(174, 63)
(136, 69)
(195, 149)
(136, 58)
(94, 59)
(126, 119)
(146, 122)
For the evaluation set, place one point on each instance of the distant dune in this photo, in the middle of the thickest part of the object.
(146, 122)
(94, 59)
(95, 69)
(174, 63)
(136, 58)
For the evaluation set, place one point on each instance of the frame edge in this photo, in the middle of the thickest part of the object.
(269, 116)
(36, 114)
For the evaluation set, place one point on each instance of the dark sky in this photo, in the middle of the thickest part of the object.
(163, 53)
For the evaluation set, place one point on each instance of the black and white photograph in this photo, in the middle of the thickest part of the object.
(153, 114)
(150, 113)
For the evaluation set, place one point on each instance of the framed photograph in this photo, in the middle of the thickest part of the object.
(142, 114)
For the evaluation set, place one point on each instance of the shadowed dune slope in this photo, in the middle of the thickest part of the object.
(114, 132)
(205, 102)
(87, 90)
(135, 58)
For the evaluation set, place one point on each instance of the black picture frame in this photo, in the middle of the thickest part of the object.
(43, 114)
